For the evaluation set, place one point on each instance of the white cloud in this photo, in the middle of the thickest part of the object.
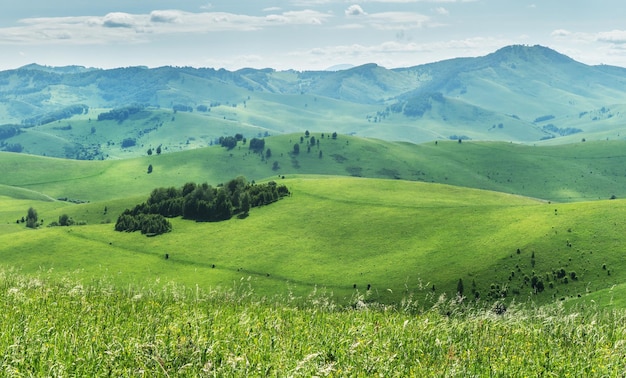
(615, 37)
(402, 54)
(118, 26)
(418, 1)
(442, 11)
(355, 10)
(398, 20)
(561, 33)
(166, 16)
(118, 20)
(310, 3)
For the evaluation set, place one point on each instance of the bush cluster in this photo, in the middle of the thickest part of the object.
(199, 202)
(120, 114)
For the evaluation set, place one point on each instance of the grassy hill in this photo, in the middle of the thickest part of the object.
(334, 232)
(575, 172)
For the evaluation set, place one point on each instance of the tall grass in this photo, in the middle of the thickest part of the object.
(63, 328)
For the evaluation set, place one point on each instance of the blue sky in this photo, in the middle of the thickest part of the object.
(302, 34)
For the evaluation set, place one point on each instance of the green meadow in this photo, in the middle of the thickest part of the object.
(395, 217)
(67, 328)
(357, 272)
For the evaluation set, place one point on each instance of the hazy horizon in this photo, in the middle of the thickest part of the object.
(302, 34)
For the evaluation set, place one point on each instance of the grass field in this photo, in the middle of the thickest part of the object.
(349, 275)
(334, 233)
(66, 328)
(570, 173)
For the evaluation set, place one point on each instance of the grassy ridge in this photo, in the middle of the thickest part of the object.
(576, 172)
(334, 233)
(68, 329)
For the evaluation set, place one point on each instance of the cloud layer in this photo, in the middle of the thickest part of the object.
(306, 34)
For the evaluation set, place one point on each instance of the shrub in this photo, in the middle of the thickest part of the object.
(129, 142)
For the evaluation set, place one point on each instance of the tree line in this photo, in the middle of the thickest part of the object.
(120, 114)
(199, 202)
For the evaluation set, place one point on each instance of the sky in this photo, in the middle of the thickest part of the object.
(301, 34)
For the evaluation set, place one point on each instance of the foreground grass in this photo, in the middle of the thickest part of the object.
(62, 328)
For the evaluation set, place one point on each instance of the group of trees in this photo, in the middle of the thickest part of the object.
(158, 151)
(199, 202)
(182, 108)
(31, 219)
(8, 131)
(257, 145)
(120, 114)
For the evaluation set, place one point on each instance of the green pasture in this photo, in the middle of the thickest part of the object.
(402, 238)
(569, 173)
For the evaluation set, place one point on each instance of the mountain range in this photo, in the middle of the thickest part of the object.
(523, 94)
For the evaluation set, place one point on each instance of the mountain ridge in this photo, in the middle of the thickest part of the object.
(498, 96)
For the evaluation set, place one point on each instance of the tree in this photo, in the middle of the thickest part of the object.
(459, 287)
(257, 145)
(31, 218)
(150, 169)
(312, 141)
(268, 153)
(229, 142)
(296, 148)
(129, 142)
(306, 133)
(275, 166)
(245, 203)
(65, 220)
(158, 150)
(149, 151)
(334, 135)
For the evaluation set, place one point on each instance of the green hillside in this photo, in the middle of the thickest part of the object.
(523, 94)
(575, 172)
(414, 223)
(333, 233)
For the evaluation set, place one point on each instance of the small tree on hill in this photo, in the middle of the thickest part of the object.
(459, 287)
(296, 148)
(158, 150)
(32, 218)
(245, 203)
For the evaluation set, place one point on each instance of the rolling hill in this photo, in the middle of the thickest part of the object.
(528, 94)
(334, 232)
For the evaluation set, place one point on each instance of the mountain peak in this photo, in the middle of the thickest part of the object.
(536, 53)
